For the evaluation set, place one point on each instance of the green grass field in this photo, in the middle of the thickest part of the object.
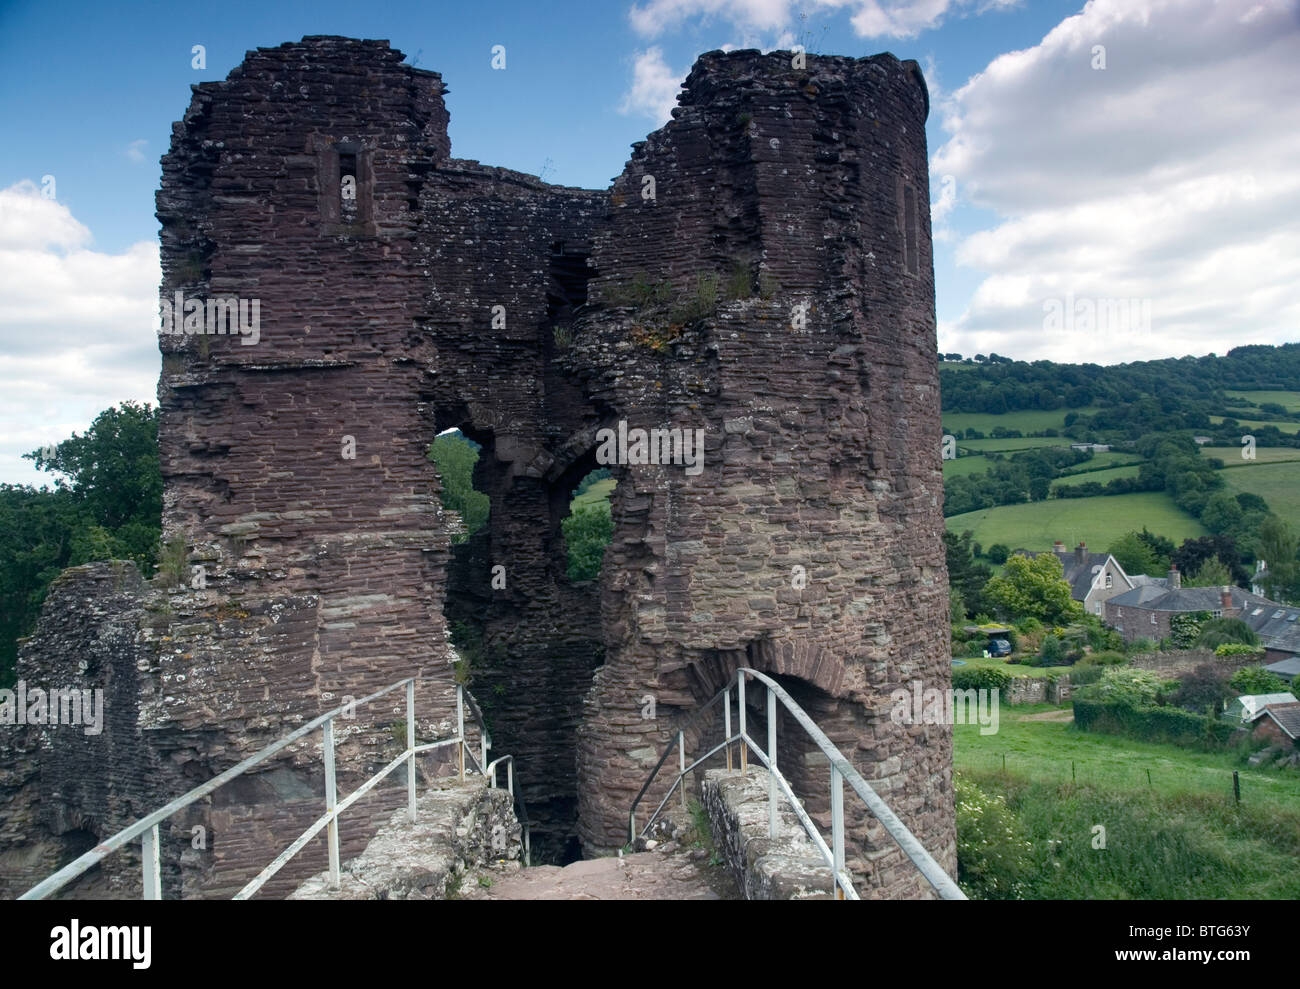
(1104, 461)
(1284, 427)
(600, 491)
(963, 466)
(1231, 455)
(1289, 400)
(1099, 476)
(1097, 521)
(1006, 445)
(1027, 420)
(1043, 751)
(1277, 483)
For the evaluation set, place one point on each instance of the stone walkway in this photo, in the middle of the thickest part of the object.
(672, 874)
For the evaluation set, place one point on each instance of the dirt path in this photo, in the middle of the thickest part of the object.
(677, 874)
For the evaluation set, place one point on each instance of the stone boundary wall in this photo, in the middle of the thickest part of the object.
(1186, 660)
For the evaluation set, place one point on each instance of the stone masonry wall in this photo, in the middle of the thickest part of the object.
(776, 292)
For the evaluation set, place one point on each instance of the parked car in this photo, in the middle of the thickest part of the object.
(999, 648)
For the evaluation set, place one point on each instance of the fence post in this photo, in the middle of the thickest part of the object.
(681, 766)
(1236, 786)
(460, 729)
(152, 874)
(740, 708)
(771, 758)
(331, 803)
(837, 830)
(726, 723)
(410, 747)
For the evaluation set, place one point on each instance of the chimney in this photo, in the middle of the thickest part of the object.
(1058, 548)
(1080, 553)
(1175, 578)
(1225, 597)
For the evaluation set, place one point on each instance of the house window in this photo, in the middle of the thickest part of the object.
(1153, 619)
(1110, 581)
(347, 185)
(1218, 613)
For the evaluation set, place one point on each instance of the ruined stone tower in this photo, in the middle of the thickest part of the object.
(761, 271)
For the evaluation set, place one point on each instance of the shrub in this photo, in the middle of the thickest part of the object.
(1141, 645)
(981, 678)
(1256, 680)
(1127, 685)
(993, 855)
(1052, 653)
(998, 553)
(1106, 658)
(1221, 631)
(1149, 723)
(1085, 673)
(1237, 649)
(587, 532)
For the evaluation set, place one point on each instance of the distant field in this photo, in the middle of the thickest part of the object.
(1099, 476)
(1102, 461)
(963, 466)
(1277, 483)
(1097, 521)
(1289, 400)
(1285, 427)
(1027, 421)
(1231, 455)
(1006, 445)
(600, 491)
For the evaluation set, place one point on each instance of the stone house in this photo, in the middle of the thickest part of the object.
(1279, 724)
(1094, 578)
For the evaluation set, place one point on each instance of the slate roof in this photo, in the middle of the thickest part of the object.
(1286, 667)
(1287, 717)
(1078, 575)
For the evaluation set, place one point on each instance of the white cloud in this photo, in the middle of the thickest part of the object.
(654, 88)
(870, 18)
(1169, 176)
(135, 150)
(77, 327)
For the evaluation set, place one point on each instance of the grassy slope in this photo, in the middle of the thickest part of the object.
(1289, 400)
(1097, 521)
(1277, 483)
(1099, 476)
(1285, 427)
(1027, 420)
(600, 491)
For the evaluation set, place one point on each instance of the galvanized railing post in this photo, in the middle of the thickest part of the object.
(483, 745)
(771, 763)
(331, 803)
(726, 724)
(152, 872)
(837, 831)
(510, 777)
(740, 708)
(460, 729)
(681, 766)
(410, 747)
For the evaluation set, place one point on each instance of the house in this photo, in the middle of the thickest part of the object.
(1278, 628)
(1279, 724)
(1146, 611)
(1094, 578)
(1257, 579)
(1287, 669)
(1202, 440)
(1091, 447)
(1250, 707)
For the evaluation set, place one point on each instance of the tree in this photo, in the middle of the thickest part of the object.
(1278, 549)
(966, 578)
(1211, 573)
(586, 533)
(1205, 687)
(1134, 554)
(1256, 680)
(1218, 631)
(998, 553)
(456, 458)
(1034, 587)
(1222, 512)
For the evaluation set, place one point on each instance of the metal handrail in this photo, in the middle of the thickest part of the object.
(147, 828)
(841, 771)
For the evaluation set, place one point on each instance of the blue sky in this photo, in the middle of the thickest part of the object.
(1167, 175)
